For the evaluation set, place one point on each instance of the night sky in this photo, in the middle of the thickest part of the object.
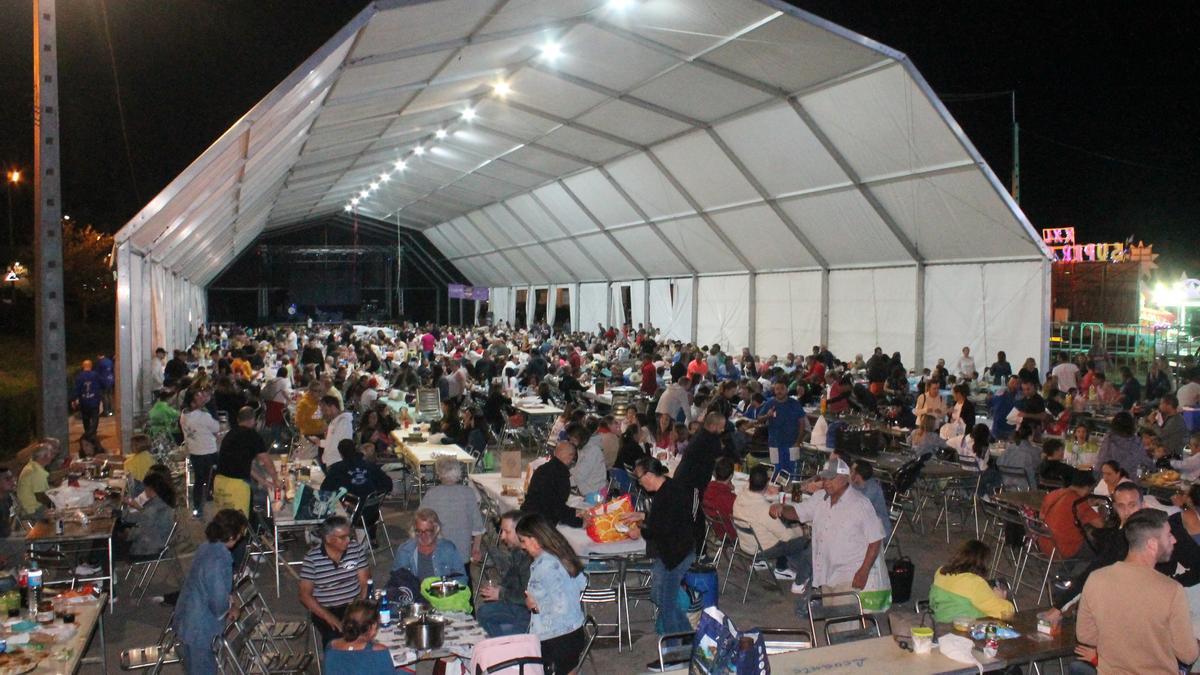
(1109, 140)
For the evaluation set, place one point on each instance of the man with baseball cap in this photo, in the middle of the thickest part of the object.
(847, 537)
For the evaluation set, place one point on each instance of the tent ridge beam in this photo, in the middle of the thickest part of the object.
(695, 205)
(762, 192)
(459, 43)
(600, 226)
(691, 269)
(863, 188)
(619, 95)
(567, 234)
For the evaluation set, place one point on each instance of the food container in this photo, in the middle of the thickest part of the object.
(1049, 623)
(444, 589)
(427, 632)
(962, 624)
(922, 637)
(414, 611)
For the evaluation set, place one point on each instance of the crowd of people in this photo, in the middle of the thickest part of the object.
(333, 394)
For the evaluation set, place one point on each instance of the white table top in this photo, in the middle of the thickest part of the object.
(461, 636)
(65, 657)
(531, 408)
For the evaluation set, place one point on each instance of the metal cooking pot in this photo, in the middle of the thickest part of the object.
(427, 632)
(445, 589)
(415, 611)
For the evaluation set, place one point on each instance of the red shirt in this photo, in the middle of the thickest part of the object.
(697, 368)
(649, 378)
(1056, 511)
(718, 505)
(816, 372)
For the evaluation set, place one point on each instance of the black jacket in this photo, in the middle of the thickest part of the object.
(1186, 554)
(549, 489)
(671, 516)
(696, 468)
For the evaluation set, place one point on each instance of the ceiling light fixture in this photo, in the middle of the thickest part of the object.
(418, 151)
(620, 5)
(354, 201)
(364, 194)
(501, 89)
(385, 177)
(468, 114)
(399, 164)
(551, 50)
(374, 186)
(348, 207)
(440, 133)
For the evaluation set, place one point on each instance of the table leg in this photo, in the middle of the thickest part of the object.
(103, 645)
(112, 577)
(275, 531)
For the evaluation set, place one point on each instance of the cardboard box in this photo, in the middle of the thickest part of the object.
(510, 463)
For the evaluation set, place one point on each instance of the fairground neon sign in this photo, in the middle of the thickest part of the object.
(1061, 241)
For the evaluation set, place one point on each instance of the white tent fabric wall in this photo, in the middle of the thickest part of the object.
(787, 310)
(724, 312)
(672, 316)
(873, 307)
(573, 302)
(551, 305)
(530, 305)
(989, 308)
(500, 298)
(593, 306)
(637, 300)
(616, 307)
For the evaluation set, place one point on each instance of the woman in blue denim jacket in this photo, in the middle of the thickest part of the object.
(555, 581)
(205, 598)
(426, 554)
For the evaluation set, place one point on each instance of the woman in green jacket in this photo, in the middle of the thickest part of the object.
(960, 589)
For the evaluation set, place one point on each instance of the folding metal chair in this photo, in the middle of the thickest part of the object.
(746, 533)
(598, 594)
(780, 640)
(820, 610)
(165, 554)
(867, 627)
(153, 657)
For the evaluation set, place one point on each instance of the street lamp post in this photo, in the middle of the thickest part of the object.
(12, 179)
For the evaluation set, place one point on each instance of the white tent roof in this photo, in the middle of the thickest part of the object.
(674, 137)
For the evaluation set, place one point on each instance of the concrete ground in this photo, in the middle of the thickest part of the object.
(136, 625)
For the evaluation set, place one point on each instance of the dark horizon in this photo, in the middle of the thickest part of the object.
(1108, 142)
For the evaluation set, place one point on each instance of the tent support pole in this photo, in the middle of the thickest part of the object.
(753, 292)
(824, 328)
(695, 309)
(919, 341)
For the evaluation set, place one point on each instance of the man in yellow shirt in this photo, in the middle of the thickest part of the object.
(34, 482)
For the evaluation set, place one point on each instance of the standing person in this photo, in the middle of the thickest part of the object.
(787, 425)
(966, 365)
(1001, 405)
(695, 470)
(1152, 635)
(104, 368)
(556, 579)
(501, 610)
(200, 431)
(340, 427)
(457, 506)
(205, 599)
(334, 574)
(11, 548)
(87, 396)
(275, 395)
(1001, 370)
(673, 511)
(649, 384)
(1066, 373)
(847, 536)
(240, 449)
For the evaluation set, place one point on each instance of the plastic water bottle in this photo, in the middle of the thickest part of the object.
(34, 582)
(385, 610)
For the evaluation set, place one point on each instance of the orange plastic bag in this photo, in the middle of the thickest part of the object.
(602, 520)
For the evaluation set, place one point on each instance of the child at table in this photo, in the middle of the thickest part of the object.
(356, 651)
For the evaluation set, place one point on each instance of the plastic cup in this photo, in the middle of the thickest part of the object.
(922, 637)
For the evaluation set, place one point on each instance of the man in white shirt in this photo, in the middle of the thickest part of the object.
(1189, 394)
(847, 537)
(752, 508)
(966, 365)
(1067, 374)
(675, 402)
(341, 426)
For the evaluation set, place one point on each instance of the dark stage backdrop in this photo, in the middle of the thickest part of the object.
(324, 287)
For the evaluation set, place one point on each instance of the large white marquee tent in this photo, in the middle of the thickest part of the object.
(755, 175)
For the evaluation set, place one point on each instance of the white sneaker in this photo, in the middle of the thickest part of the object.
(800, 588)
(784, 574)
(760, 565)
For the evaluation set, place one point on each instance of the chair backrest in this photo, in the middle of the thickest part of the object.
(745, 532)
(783, 478)
(866, 624)
(779, 640)
(1014, 478)
(509, 654)
(429, 403)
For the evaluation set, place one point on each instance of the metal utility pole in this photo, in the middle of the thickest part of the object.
(47, 238)
(1016, 170)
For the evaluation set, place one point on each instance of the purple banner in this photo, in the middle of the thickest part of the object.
(461, 292)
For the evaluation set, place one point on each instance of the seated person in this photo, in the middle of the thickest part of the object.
(1065, 511)
(163, 419)
(589, 475)
(149, 518)
(1156, 449)
(356, 650)
(961, 590)
(780, 542)
(360, 478)
(333, 575)
(1053, 469)
(1189, 466)
(34, 482)
(550, 485)
(862, 477)
(500, 607)
(426, 554)
(11, 548)
(1024, 456)
(719, 498)
(138, 462)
